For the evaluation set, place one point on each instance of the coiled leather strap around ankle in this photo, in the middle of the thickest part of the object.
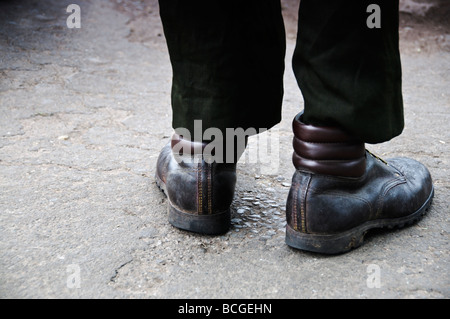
(327, 150)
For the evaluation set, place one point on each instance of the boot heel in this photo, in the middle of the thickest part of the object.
(324, 244)
(214, 224)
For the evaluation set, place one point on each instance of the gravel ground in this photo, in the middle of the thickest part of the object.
(83, 115)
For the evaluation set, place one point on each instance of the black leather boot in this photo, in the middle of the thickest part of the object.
(199, 191)
(340, 191)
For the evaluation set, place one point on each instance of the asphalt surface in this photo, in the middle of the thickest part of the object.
(83, 115)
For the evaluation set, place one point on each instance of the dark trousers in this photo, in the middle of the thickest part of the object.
(228, 56)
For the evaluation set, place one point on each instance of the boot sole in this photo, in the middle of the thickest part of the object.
(213, 224)
(345, 241)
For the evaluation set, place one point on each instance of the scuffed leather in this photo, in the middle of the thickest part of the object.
(194, 186)
(339, 185)
(325, 204)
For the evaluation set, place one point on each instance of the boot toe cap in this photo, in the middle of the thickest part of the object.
(419, 184)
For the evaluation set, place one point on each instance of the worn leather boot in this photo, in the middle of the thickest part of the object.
(199, 191)
(340, 191)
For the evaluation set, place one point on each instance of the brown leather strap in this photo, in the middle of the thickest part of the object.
(180, 146)
(327, 150)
